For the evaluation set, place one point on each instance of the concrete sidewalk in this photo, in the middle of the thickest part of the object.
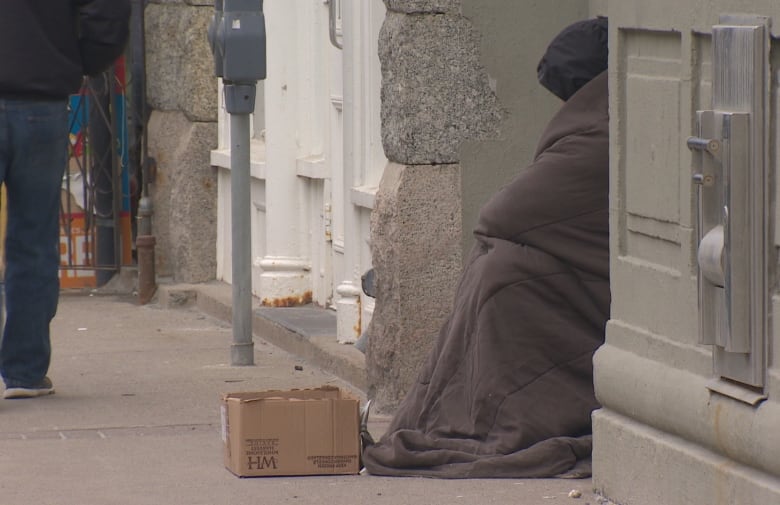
(135, 419)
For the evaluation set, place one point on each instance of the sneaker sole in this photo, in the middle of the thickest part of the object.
(18, 393)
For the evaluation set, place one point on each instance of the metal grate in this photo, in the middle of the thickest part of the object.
(100, 188)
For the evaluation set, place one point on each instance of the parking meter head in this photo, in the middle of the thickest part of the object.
(242, 38)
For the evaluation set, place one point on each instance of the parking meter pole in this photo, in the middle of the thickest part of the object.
(237, 38)
(242, 348)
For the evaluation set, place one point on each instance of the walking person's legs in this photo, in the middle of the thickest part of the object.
(33, 155)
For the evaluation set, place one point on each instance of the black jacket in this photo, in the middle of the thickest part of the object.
(47, 46)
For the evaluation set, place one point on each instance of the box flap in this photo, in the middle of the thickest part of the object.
(320, 393)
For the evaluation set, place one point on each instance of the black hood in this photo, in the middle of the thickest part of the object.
(574, 57)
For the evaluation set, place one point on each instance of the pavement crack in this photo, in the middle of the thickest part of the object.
(105, 433)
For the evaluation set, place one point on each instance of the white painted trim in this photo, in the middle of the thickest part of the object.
(276, 264)
(363, 196)
(348, 289)
(221, 158)
(312, 167)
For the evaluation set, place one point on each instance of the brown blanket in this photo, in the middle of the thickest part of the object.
(507, 390)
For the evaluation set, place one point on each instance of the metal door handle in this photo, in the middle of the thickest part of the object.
(332, 18)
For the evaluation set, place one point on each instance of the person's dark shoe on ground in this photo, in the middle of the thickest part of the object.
(43, 388)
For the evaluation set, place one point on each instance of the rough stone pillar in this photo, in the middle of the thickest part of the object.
(435, 94)
(182, 131)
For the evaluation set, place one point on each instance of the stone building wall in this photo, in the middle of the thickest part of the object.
(435, 94)
(182, 130)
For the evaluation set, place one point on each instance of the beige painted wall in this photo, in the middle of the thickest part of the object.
(662, 436)
(514, 36)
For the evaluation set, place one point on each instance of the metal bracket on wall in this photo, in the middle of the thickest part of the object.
(334, 18)
(730, 156)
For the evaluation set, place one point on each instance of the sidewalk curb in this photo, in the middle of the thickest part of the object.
(319, 348)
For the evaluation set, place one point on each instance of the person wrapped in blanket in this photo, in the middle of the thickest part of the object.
(507, 390)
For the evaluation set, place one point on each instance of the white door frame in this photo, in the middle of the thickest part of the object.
(316, 160)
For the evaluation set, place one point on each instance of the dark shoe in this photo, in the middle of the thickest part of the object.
(45, 387)
(368, 283)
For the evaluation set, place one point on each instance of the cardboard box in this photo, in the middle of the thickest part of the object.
(298, 432)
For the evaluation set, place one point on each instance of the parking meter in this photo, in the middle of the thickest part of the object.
(237, 38)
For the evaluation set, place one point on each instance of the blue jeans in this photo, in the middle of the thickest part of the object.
(33, 155)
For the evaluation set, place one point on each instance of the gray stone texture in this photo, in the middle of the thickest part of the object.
(184, 193)
(415, 246)
(423, 6)
(179, 63)
(435, 92)
(182, 130)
